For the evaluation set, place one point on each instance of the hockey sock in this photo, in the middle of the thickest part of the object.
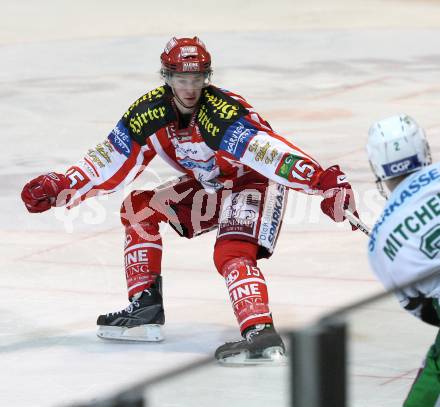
(143, 256)
(248, 292)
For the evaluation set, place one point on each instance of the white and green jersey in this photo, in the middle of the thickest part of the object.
(405, 241)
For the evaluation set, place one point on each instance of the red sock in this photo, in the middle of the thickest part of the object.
(248, 292)
(143, 255)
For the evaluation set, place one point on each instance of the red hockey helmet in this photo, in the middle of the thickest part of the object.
(185, 55)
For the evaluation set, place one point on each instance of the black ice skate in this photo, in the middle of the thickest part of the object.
(262, 345)
(142, 320)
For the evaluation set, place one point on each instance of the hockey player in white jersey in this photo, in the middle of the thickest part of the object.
(405, 241)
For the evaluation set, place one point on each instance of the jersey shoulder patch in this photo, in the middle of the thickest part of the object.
(149, 113)
(217, 112)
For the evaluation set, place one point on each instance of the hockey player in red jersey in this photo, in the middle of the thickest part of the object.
(235, 174)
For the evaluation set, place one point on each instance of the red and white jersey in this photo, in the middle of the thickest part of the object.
(225, 139)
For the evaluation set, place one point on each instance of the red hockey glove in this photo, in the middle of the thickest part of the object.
(337, 193)
(41, 193)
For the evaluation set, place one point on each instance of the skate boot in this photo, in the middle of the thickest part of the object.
(262, 345)
(142, 320)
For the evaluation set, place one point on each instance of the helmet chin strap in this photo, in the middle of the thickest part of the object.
(181, 102)
(380, 187)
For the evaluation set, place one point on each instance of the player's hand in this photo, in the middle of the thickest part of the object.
(337, 193)
(41, 193)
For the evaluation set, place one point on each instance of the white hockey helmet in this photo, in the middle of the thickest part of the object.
(397, 146)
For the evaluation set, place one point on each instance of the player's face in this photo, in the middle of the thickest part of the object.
(188, 87)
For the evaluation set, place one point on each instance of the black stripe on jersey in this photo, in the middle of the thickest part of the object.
(150, 113)
(216, 113)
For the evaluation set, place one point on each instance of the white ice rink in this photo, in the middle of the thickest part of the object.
(321, 72)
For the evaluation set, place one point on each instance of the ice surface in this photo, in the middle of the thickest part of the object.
(319, 73)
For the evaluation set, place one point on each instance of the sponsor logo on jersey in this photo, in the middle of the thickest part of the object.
(423, 216)
(222, 108)
(276, 218)
(196, 151)
(208, 181)
(120, 139)
(240, 214)
(192, 164)
(108, 145)
(292, 167)
(401, 166)
(237, 137)
(102, 151)
(206, 122)
(138, 120)
(93, 155)
(263, 152)
(417, 183)
(217, 112)
(284, 168)
(273, 214)
(187, 149)
(149, 97)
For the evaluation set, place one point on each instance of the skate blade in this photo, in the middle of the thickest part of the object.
(142, 333)
(271, 357)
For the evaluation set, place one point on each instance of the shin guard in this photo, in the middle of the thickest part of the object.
(143, 255)
(248, 292)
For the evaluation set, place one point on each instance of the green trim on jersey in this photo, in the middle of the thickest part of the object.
(425, 391)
